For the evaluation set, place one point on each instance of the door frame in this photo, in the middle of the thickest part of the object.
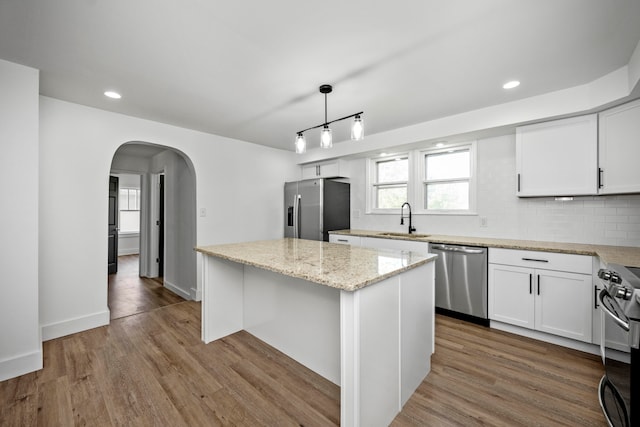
(151, 269)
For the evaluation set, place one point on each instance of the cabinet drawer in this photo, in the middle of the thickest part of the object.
(344, 239)
(541, 260)
(397, 244)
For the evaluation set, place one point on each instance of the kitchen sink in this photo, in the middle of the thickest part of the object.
(405, 235)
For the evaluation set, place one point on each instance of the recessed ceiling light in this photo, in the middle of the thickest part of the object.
(511, 84)
(112, 94)
(383, 154)
(440, 144)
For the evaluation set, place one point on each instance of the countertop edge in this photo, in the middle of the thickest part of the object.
(623, 255)
(349, 287)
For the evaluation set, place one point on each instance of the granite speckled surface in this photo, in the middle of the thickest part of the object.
(623, 255)
(339, 266)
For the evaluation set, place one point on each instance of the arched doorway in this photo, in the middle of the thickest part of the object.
(164, 269)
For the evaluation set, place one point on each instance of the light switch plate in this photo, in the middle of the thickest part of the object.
(483, 221)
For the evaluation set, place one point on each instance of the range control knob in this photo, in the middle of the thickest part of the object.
(615, 278)
(604, 275)
(623, 293)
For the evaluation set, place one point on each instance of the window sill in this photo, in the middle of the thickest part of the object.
(128, 233)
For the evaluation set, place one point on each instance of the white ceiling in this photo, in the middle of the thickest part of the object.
(251, 69)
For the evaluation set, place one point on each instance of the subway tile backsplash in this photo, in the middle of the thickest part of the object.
(607, 220)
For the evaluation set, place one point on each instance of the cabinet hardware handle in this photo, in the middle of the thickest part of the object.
(530, 284)
(343, 240)
(600, 172)
(518, 183)
(538, 284)
(534, 259)
(595, 296)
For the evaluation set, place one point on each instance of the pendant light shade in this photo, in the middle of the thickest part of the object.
(357, 129)
(301, 143)
(326, 140)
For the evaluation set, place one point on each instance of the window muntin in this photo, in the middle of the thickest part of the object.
(390, 182)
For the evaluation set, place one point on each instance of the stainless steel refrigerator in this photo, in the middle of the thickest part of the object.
(314, 207)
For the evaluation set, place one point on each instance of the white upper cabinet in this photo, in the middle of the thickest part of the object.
(558, 158)
(329, 169)
(619, 149)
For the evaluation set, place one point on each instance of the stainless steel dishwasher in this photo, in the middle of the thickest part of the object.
(461, 281)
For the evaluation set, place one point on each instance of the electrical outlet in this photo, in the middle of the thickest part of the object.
(356, 213)
(483, 221)
(203, 212)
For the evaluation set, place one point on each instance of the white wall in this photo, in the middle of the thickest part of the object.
(20, 347)
(180, 222)
(608, 220)
(239, 184)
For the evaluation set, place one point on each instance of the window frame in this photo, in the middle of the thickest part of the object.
(138, 192)
(373, 184)
(421, 179)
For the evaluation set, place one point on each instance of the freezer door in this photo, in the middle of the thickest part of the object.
(290, 209)
(310, 211)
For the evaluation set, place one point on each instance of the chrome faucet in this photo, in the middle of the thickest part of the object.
(402, 217)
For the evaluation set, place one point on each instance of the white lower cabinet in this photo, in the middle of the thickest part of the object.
(531, 296)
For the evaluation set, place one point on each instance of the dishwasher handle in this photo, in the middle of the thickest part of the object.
(460, 249)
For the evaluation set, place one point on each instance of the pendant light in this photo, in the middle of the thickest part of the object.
(326, 138)
(301, 143)
(357, 128)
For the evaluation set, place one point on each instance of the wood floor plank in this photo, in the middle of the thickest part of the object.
(131, 294)
(55, 408)
(153, 369)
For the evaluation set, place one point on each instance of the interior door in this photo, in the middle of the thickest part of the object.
(112, 257)
(161, 229)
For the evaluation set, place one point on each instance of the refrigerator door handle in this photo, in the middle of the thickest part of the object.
(296, 217)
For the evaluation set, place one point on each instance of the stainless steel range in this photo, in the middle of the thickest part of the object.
(619, 389)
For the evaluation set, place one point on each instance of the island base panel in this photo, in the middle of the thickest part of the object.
(222, 298)
(299, 318)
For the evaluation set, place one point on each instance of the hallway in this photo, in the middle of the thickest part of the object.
(131, 294)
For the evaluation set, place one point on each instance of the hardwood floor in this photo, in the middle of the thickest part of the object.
(131, 294)
(152, 369)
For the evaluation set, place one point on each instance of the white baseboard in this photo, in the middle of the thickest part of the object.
(196, 295)
(72, 326)
(20, 365)
(176, 290)
(542, 336)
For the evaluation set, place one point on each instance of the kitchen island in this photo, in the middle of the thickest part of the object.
(362, 318)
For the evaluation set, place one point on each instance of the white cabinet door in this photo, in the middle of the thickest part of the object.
(330, 169)
(619, 149)
(511, 295)
(558, 158)
(563, 304)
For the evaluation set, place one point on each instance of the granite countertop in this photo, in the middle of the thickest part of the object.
(623, 255)
(339, 266)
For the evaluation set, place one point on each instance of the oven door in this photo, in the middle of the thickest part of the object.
(615, 387)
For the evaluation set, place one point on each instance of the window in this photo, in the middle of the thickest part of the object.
(390, 179)
(447, 178)
(434, 181)
(129, 206)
